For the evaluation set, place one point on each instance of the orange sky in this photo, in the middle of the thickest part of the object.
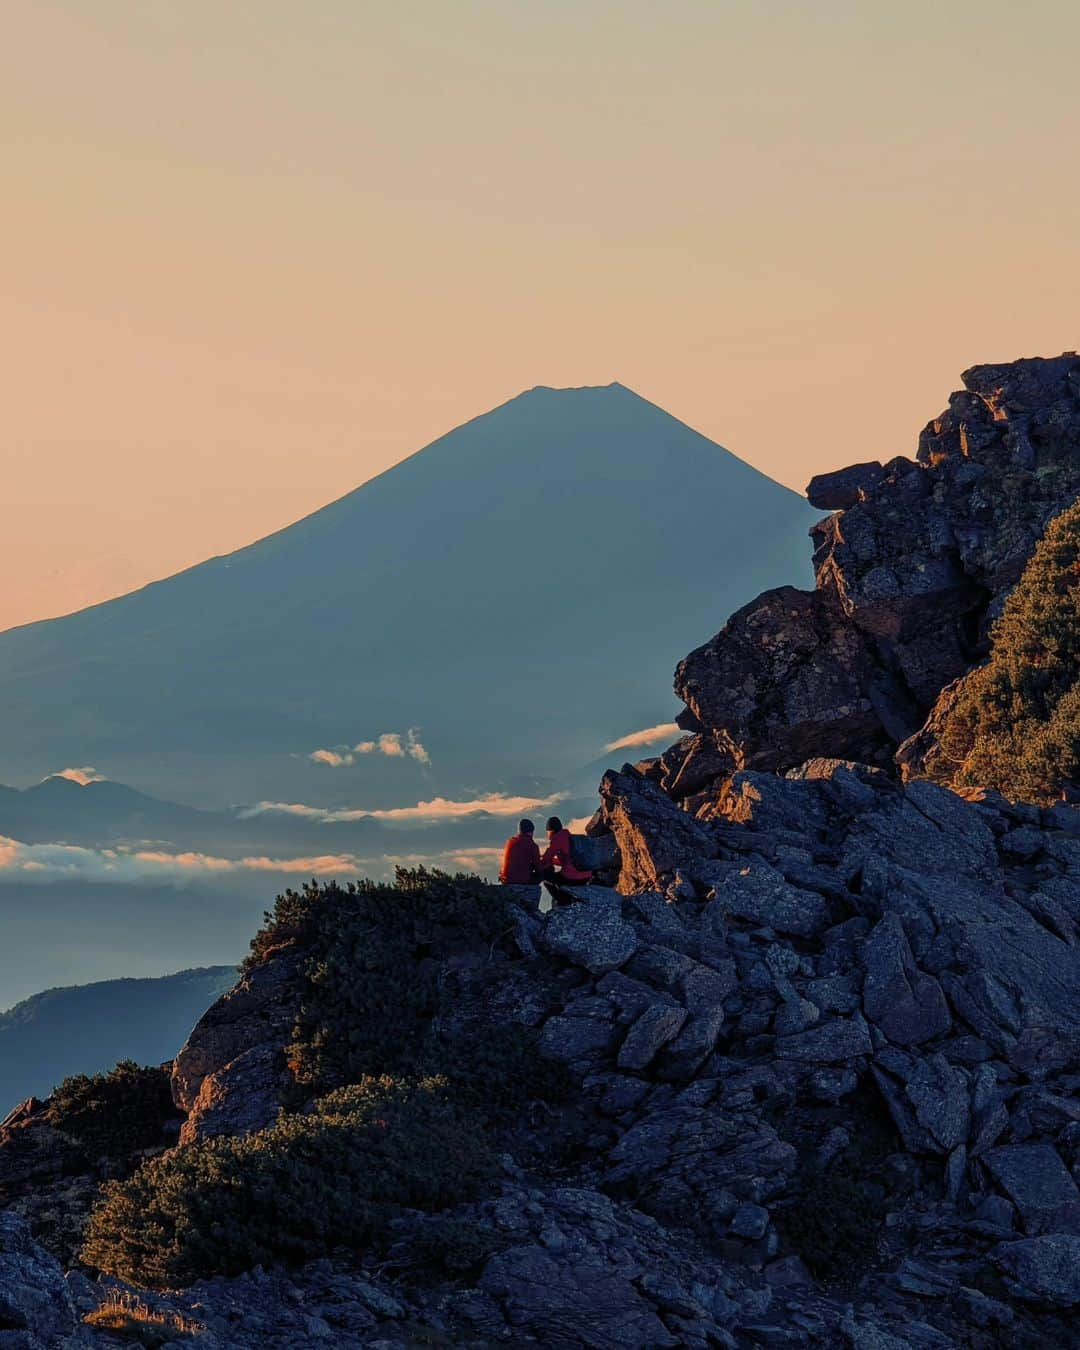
(254, 253)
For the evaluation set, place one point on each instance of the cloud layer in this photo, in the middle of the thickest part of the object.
(62, 862)
(392, 744)
(431, 812)
(663, 731)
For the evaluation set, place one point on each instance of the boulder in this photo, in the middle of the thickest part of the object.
(34, 1297)
(1043, 1270)
(259, 1010)
(1039, 1185)
(905, 1003)
(657, 1025)
(239, 1098)
(760, 893)
(590, 933)
(653, 836)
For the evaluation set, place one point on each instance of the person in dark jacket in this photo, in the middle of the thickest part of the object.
(560, 854)
(521, 858)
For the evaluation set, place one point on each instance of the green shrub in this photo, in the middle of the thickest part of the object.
(453, 1245)
(375, 972)
(293, 1192)
(1016, 722)
(116, 1112)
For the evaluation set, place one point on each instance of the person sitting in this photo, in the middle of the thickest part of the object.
(521, 858)
(560, 854)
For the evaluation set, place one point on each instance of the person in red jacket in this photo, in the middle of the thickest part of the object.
(559, 853)
(521, 858)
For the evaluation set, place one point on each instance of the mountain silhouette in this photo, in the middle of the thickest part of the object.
(520, 589)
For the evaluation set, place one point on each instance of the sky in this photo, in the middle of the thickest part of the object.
(255, 253)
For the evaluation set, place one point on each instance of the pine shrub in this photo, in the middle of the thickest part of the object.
(333, 1177)
(114, 1113)
(1016, 723)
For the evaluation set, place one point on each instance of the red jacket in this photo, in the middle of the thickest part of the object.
(521, 858)
(559, 853)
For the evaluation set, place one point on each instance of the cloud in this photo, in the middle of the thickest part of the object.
(416, 749)
(334, 758)
(438, 809)
(477, 859)
(663, 731)
(87, 774)
(392, 744)
(60, 862)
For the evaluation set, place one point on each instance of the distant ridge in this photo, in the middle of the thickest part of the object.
(88, 1028)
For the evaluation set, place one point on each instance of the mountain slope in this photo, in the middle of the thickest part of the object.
(490, 589)
(88, 1028)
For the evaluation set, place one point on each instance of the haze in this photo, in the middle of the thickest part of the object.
(255, 254)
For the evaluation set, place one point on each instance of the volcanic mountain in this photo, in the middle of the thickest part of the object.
(492, 590)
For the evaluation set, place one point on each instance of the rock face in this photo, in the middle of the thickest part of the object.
(36, 1310)
(912, 566)
(227, 1077)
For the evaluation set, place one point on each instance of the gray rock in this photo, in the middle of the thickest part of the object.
(577, 1038)
(905, 1003)
(34, 1297)
(830, 1043)
(939, 1094)
(760, 893)
(591, 935)
(694, 1043)
(583, 1302)
(656, 1026)
(750, 1221)
(1043, 1270)
(1039, 1185)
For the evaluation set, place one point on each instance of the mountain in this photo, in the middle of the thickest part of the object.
(491, 590)
(88, 1028)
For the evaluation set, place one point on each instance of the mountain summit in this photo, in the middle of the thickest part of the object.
(491, 589)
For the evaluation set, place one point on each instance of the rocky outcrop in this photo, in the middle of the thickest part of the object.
(838, 995)
(912, 567)
(228, 1076)
(36, 1310)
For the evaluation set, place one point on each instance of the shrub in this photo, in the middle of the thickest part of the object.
(375, 970)
(116, 1112)
(1016, 722)
(454, 1245)
(293, 1192)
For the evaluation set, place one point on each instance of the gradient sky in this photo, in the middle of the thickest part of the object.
(256, 252)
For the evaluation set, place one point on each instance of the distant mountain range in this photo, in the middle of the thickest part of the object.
(515, 595)
(88, 1028)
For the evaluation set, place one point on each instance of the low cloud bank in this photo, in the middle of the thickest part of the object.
(438, 809)
(392, 744)
(663, 731)
(63, 862)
